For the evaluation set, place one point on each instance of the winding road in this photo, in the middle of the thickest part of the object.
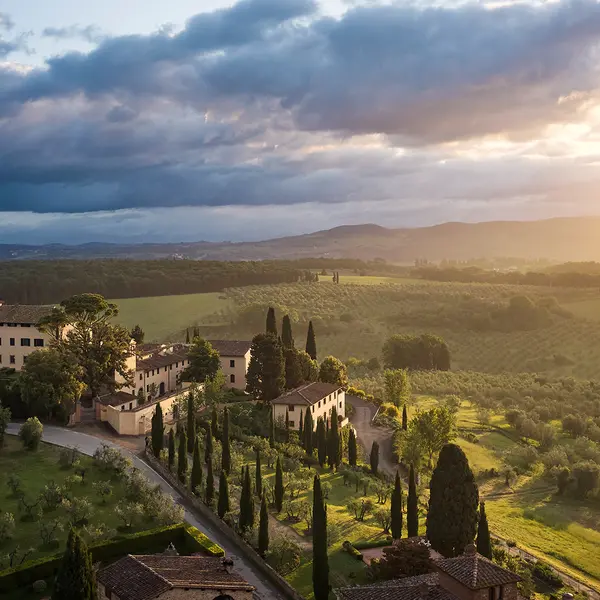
(88, 444)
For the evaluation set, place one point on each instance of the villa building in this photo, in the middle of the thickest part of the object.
(235, 359)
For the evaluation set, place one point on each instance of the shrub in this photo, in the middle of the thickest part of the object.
(31, 433)
(68, 458)
(547, 574)
(7, 527)
(365, 545)
(111, 460)
(352, 551)
(284, 555)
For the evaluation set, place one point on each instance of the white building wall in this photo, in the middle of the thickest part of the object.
(322, 409)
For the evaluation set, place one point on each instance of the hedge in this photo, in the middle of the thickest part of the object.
(365, 545)
(184, 537)
(352, 551)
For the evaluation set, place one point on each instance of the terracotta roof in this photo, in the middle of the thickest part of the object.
(117, 398)
(308, 394)
(421, 587)
(23, 313)
(158, 361)
(475, 571)
(231, 347)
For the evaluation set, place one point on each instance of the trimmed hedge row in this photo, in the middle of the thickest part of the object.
(365, 545)
(352, 551)
(184, 537)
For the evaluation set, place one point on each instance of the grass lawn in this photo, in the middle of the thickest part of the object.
(162, 316)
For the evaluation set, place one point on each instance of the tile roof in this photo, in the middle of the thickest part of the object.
(117, 398)
(158, 361)
(231, 347)
(308, 394)
(421, 587)
(475, 571)
(23, 313)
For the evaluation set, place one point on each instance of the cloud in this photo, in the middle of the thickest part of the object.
(15, 44)
(6, 22)
(90, 33)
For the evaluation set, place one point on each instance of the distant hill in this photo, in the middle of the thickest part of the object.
(561, 240)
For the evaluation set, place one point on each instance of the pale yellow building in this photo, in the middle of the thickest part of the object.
(235, 358)
(318, 398)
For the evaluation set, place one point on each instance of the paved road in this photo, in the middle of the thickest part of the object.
(88, 444)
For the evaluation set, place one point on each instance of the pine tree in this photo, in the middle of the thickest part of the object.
(223, 505)
(158, 431)
(171, 450)
(320, 573)
(278, 485)
(226, 451)
(265, 379)
(311, 344)
(258, 487)
(453, 503)
(396, 509)
(287, 338)
(263, 528)
(208, 448)
(246, 503)
(215, 421)
(412, 505)
(484, 542)
(76, 579)
(321, 441)
(182, 457)
(209, 494)
(374, 458)
(309, 437)
(352, 449)
(271, 328)
(333, 450)
(191, 422)
(404, 418)
(271, 429)
(196, 478)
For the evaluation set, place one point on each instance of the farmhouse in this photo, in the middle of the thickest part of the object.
(319, 398)
(235, 358)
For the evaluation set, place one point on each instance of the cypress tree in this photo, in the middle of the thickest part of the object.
(171, 450)
(223, 506)
(196, 479)
(191, 422)
(311, 344)
(226, 452)
(453, 503)
(287, 424)
(208, 449)
(374, 458)
(182, 458)
(404, 418)
(287, 338)
(187, 336)
(412, 505)
(263, 528)
(333, 450)
(320, 573)
(301, 430)
(158, 431)
(76, 579)
(258, 487)
(309, 437)
(352, 449)
(196, 332)
(215, 421)
(396, 509)
(484, 542)
(209, 495)
(246, 503)
(271, 322)
(321, 441)
(271, 429)
(278, 485)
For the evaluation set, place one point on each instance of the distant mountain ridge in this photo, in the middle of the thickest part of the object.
(560, 239)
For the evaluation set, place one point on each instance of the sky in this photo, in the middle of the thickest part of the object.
(153, 121)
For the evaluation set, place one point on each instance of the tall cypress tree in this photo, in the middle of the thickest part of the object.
(226, 451)
(246, 503)
(287, 338)
(396, 508)
(271, 429)
(263, 528)
(453, 503)
(412, 505)
(76, 579)
(309, 438)
(215, 421)
(158, 431)
(404, 418)
(352, 449)
(182, 458)
(301, 430)
(484, 542)
(311, 343)
(278, 485)
(287, 424)
(321, 441)
(333, 449)
(271, 322)
(223, 505)
(187, 336)
(191, 422)
(208, 448)
(196, 332)
(258, 487)
(171, 450)
(320, 573)
(209, 494)
(374, 458)
(196, 478)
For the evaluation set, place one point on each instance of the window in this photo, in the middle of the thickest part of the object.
(122, 407)
(0, 359)
(12, 341)
(232, 378)
(38, 342)
(340, 405)
(319, 405)
(152, 372)
(147, 373)
(170, 367)
(147, 388)
(176, 365)
(491, 594)
(141, 376)
(291, 408)
(130, 405)
(232, 363)
(25, 342)
(12, 360)
(313, 409)
(292, 424)
(165, 369)
(12, 324)
(25, 325)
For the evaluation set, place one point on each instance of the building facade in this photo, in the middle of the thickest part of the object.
(235, 359)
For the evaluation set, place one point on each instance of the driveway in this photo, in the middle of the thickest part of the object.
(88, 444)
